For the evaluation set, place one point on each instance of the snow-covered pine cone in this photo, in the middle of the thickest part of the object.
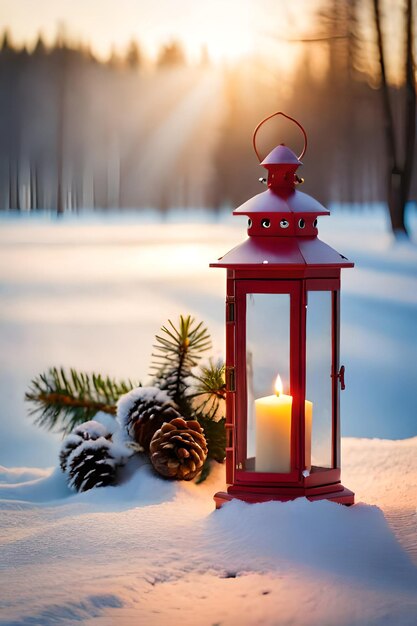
(179, 449)
(82, 432)
(93, 463)
(141, 412)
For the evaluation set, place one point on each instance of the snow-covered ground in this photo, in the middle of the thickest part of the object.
(91, 293)
(152, 553)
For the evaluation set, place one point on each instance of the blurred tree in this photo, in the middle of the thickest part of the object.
(6, 45)
(11, 67)
(115, 60)
(399, 169)
(96, 133)
(171, 55)
(40, 47)
(62, 55)
(133, 55)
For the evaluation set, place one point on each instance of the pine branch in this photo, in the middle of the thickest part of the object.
(62, 399)
(208, 397)
(176, 352)
(209, 390)
(204, 472)
(215, 434)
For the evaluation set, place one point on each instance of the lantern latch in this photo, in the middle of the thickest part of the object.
(341, 377)
(230, 379)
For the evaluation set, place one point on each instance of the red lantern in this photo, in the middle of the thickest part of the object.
(282, 318)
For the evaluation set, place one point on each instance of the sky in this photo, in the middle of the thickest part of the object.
(230, 28)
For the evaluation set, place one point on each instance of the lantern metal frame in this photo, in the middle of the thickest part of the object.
(293, 262)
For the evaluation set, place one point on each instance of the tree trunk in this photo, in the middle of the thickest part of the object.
(399, 176)
(410, 111)
(396, 201)
(60, 131)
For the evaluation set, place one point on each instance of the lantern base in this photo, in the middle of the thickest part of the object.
(340, 494)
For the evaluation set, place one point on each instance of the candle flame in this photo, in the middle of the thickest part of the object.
(278, 386)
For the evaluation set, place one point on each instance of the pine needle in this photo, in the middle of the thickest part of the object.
(209, 389)
(215, 434)
(61, 400)
(176, 351)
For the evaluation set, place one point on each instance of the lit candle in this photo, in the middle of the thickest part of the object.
(273, 431)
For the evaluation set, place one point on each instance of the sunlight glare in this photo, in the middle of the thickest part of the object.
(227, 29)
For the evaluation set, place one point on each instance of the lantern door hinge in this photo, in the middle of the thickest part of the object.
(230, 311)
(230, 379)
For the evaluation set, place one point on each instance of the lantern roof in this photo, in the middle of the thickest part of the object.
(276, 252)
(281, 155)
(282, 224)
(290, 201)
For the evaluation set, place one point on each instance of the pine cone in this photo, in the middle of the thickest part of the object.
(179, 449)
(142, 412)
(93, 463)
(90, 430)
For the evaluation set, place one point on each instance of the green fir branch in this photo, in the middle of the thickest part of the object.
(215, 434)
(209, 389)
(61, 399)
(176, 351)
(208, 398)
(205, 472)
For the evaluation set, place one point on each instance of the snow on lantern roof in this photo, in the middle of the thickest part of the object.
(271, 202)
(281, 155)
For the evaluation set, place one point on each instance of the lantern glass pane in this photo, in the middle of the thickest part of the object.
(319, 405)
(268, 442)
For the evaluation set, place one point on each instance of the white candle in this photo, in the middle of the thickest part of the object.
(273, 432)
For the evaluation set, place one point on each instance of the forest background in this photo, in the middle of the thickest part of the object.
(131, 126)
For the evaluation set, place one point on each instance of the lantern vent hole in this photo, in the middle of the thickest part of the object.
(284, 223)
(266, 223)
(301, 223)
(315, 223)
(249, 222)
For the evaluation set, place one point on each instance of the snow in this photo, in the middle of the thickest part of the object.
(146, 394)
(124, 434)
(91, 293)
(116, 453)
(156, 552)
(13, 475)
(92, 429)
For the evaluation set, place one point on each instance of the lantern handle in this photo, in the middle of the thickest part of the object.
(288, 118)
